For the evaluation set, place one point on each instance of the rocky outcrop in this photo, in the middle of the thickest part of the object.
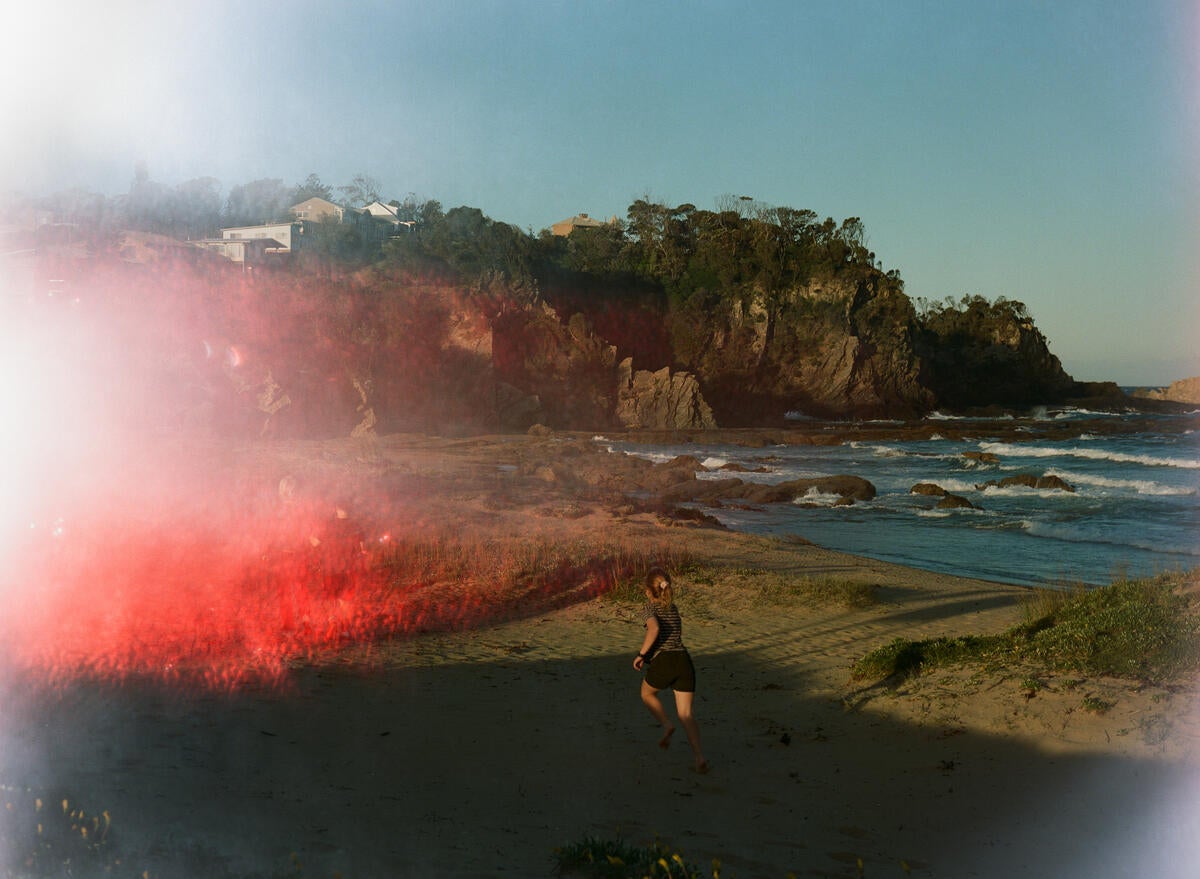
(946, 500)
(660, 400)
(565, 364)
(851, 488)
(1028, 480)
(978, 353)
(841, 346)
(955, 502)
(577, 382)
(928, 489)
(1186, 390)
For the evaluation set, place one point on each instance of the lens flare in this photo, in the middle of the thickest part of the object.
(133, 545)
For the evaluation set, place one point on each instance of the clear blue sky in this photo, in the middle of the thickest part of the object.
(1048, 152)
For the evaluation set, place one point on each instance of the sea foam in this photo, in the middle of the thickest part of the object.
(1140, 486)
(1023, 451)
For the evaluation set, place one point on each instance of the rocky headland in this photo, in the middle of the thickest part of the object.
(1186, 390)
(317, 350)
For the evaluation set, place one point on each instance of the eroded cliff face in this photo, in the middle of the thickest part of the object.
(839, 347)
(564, 363)
(577, 382)
(849, 345)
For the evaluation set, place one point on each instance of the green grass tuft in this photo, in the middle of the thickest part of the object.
(777, 590)
(1145, 630)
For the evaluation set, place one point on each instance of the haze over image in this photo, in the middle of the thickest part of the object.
(410, 411)
(1041, 152)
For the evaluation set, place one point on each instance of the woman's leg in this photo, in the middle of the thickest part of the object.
(650, 698)
(683, 707)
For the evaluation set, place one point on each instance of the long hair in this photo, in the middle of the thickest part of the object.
(658, 586)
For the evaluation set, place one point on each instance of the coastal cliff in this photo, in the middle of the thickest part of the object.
(680, 319)
(840, 347)
(845, 345)
(979, 353)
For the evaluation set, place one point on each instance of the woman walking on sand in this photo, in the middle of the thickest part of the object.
(668, 663)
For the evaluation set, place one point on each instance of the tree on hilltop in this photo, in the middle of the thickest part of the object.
(312, 187)
(360, 191)
(257, 202)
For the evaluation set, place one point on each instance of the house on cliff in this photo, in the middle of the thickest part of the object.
(579, 221)
(388, 213)
(246, 252)
(317, 209)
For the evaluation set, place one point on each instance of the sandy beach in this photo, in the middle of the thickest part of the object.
(477, 752)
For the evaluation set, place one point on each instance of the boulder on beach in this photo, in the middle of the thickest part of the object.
(679, 470)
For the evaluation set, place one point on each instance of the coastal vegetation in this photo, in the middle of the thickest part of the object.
(1145, 630)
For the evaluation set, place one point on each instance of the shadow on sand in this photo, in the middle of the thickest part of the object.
(483, 768)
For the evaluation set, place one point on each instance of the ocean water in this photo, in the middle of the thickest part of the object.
(1135, 510)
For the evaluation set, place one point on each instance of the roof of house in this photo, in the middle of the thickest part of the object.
(258, 226)
(317, 203)
(565, 227)
(379, 209)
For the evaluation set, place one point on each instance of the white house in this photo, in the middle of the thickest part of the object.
(286, 235)
(381, 211)
(244, 251)
(388, 213)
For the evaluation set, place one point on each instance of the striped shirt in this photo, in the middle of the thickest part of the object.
(670, 628)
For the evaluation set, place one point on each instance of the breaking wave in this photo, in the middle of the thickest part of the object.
(1013, 450)
(1067, 534)
(1140, 486)
(815, 498)
(941, 416)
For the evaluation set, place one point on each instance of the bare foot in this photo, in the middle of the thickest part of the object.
(701, 768)
(665, 741)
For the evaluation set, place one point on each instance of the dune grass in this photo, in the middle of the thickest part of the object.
(757, 587)
(1145, 630)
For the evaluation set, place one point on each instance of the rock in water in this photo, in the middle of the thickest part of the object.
(1028, 480)
(955, 501)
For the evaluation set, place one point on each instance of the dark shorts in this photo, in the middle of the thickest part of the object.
(674, 669)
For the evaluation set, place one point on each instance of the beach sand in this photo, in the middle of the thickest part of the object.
(476, 753)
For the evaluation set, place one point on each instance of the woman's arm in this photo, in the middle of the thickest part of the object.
(647, 642)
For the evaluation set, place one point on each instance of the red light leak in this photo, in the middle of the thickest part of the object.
(129, 571)
(215, 606)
